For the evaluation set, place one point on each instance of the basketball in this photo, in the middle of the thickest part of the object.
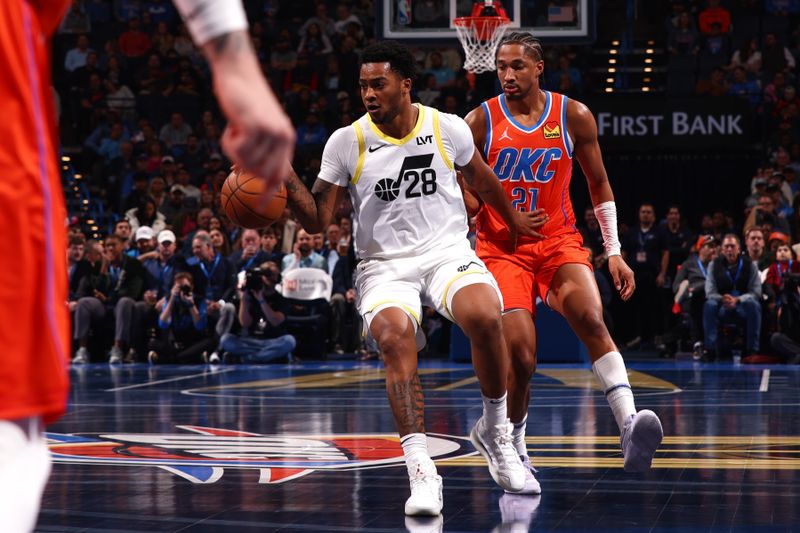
(241, 198)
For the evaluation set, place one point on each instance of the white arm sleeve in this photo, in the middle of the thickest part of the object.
(606, 214)
(457, 132)
(207, 19)
(339, 157)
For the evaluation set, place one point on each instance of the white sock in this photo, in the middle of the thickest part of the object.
(613, 377)
(519, 437)
(415, 450)
(494, 410)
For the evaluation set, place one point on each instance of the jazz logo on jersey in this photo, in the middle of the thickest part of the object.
(415, 170)
(527, 164)
(552, 130)
(202, 454)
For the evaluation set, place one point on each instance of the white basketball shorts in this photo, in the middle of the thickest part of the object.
(431, 279)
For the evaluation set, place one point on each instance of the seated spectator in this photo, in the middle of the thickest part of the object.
(262, 312)
(220, 241)
(304, 255)
(213, 275)
(764, 213)
(173, 209)
(316, 45)
(76, 57)
(733, 288)
(145, 248)
(269, 245)
(115, 290)
(745, 88)
(786, 340)
(683, 39)
(76, 20)
(176, 132)
(182, 325)
(775, 57)
(123, 230)
(134, 43)
(345, 319)
(445, 76)
(429, 93)
(749, 57)
(78, 267)
(715, 85)
(714, 13)
(146, 214)
(311, 133)
(690, 288)
(756, 247)
(250, 253)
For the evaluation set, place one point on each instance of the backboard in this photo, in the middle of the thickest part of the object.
(552, 21)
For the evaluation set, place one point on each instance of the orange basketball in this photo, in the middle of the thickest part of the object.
(242, 200)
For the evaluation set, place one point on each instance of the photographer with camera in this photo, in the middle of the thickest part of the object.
(262, 311)
(182, 323)
(764, 213)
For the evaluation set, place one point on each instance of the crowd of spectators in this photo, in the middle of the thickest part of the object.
(166, 271)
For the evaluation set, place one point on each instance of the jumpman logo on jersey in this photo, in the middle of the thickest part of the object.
(505, 135)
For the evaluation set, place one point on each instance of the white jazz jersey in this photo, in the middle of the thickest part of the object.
(405, 194)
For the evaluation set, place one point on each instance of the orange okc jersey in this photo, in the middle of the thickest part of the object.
(34, 322)
(534, 165)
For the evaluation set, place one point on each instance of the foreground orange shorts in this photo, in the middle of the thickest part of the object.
(529, 271)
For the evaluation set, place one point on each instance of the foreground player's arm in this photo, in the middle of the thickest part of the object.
(480, 177)
(259, 136)
(476, 120)
(583, 128)
(314, 209)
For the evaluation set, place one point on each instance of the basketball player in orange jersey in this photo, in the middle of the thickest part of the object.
(529, 137)
(34, 321)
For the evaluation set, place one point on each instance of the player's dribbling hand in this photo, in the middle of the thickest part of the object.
(623, 277)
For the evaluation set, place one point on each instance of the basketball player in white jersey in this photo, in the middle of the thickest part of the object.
(398, 163)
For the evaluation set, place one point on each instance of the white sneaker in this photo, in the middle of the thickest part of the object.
(640, 439)
(152, 357)
(81, 356)
(497, 446)
(531, 483)
(214, 358)
(115, 356)
(426, 491)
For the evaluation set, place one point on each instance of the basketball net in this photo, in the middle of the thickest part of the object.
(480, 34)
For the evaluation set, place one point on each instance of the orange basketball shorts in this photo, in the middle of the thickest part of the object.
(529, 271)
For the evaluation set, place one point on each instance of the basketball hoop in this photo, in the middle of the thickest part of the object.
(480, 36)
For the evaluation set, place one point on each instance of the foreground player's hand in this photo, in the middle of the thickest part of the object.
(622, 276)
(259, 137)
(529, 223)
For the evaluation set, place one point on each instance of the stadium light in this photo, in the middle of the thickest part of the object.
(612, 61)
(609, 89)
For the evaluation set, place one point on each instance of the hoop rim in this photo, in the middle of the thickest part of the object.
(464, 21)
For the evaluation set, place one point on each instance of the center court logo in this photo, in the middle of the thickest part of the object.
(202, 454)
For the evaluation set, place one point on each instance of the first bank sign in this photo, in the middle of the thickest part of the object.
(703, 123)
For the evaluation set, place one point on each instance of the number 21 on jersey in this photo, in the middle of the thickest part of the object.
(523, 199)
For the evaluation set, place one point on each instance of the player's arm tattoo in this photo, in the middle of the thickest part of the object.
(471, 176)
(313, 209)
(408, 404)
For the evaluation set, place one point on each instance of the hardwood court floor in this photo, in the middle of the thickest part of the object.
(312, 448)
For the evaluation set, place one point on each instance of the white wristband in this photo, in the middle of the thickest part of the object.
(606, 214)
(207, 19)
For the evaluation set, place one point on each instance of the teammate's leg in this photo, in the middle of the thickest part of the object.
(396, 337)
(574, 294)
(476, 309)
